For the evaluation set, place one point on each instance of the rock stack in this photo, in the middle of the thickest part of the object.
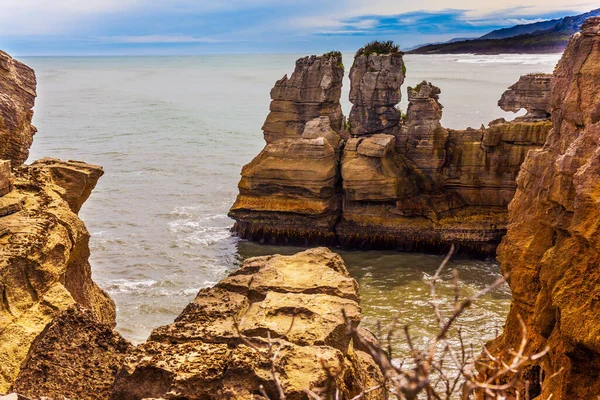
(376, 80)
(313, 91)
(291, 188)
(384, 181)
(422, 137)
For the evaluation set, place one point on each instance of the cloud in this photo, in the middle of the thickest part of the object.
(156, 39)
(265, 24)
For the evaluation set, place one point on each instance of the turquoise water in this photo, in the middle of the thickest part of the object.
(172, 134)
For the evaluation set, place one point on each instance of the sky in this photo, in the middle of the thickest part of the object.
(164, 27)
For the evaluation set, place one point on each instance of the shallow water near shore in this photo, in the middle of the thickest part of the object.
(173, 133)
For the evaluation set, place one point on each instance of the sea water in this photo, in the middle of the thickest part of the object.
(173, 133)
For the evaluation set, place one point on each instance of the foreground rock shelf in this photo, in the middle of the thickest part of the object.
(218, 348)
(383, 181)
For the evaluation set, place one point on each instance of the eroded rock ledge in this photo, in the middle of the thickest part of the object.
(383, 181)
(218, 346)
(552, 248)
(298, 300)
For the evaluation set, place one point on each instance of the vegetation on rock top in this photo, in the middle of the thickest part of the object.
(378, 48)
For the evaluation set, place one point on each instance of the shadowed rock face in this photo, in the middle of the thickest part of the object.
(375, 91)
(5, 185)
(409, 185)
(76, 356)
(532, 92)
(17, 97)
(552, 248)
(312, 91)
(297, 300)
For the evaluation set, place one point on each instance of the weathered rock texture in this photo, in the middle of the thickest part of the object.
(422, 137)
(17, 97)
(75, 357)
(375, 81)
(405, 184)
(5, 185)
(292, 186)
(532, 92)
(312, 91)
(44, 264)
(297, 300)
(552, 249)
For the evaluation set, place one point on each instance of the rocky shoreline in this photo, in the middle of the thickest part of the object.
(282, 323)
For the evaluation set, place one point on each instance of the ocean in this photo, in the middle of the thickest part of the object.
(173, 133)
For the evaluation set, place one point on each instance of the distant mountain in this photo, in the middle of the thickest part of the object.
(521, 29)
(431, 44)
(539, 37)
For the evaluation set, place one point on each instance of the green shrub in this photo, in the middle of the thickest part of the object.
(337, 55)
(377, 47)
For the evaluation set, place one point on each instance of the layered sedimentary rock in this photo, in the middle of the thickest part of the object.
(44, 264)
(552, 248)
(5, 185)
(76, 357)
(422, 136)
(17, 97)
(291, 187)
(218, 346)
(406, 184)
(532, 92)
(375, 81)
(311, 92)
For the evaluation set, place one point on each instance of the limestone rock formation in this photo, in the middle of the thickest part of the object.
(482, 164)
(375, 81)
(217, 348)
(292, 185)
(408, 185)
(17, 97)
(5, 185)
(552, 249)
(311, 92)
(422, 138)
(75, 357)
(532, 92)
(44, 264)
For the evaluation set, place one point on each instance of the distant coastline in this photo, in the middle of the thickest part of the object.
(538, 38)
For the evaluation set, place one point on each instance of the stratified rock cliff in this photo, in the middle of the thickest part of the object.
(292, 186)
(218, 347)
(44, 264)
(395, 183)
(17, 97)
(552, 249)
